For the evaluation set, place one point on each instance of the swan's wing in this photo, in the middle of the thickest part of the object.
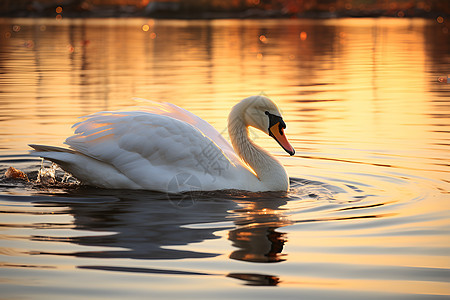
(150, 149)
(176, 112)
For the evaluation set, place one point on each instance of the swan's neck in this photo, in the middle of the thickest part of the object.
(268, 169)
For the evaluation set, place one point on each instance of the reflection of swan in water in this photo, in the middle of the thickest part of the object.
(256, 279)
(256, 233)
(151, 226)
(142, 224)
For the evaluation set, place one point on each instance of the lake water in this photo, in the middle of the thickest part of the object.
(367, 216)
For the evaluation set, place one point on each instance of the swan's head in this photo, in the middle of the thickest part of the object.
(260, 112)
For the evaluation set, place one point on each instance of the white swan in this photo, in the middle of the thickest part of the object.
(166, 148)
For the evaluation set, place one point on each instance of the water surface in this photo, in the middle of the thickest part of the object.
(367, 215)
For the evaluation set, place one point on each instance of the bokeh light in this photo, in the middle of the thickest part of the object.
(303, 36)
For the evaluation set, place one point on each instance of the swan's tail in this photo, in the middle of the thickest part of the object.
(59, 155)
(45, 148)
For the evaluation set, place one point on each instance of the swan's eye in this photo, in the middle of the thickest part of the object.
(266, 112)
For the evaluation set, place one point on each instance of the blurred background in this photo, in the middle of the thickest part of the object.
(225, 8)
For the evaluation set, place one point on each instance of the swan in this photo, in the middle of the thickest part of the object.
(165, 148)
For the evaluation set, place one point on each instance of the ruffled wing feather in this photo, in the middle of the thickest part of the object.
(150, 148)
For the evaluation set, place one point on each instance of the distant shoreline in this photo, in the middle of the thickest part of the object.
(132, 12)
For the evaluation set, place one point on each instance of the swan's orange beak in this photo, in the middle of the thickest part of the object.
(277, 132)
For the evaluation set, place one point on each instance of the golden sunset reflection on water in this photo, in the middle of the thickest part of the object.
(368, 211)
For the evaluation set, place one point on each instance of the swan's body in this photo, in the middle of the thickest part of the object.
(166, 148)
